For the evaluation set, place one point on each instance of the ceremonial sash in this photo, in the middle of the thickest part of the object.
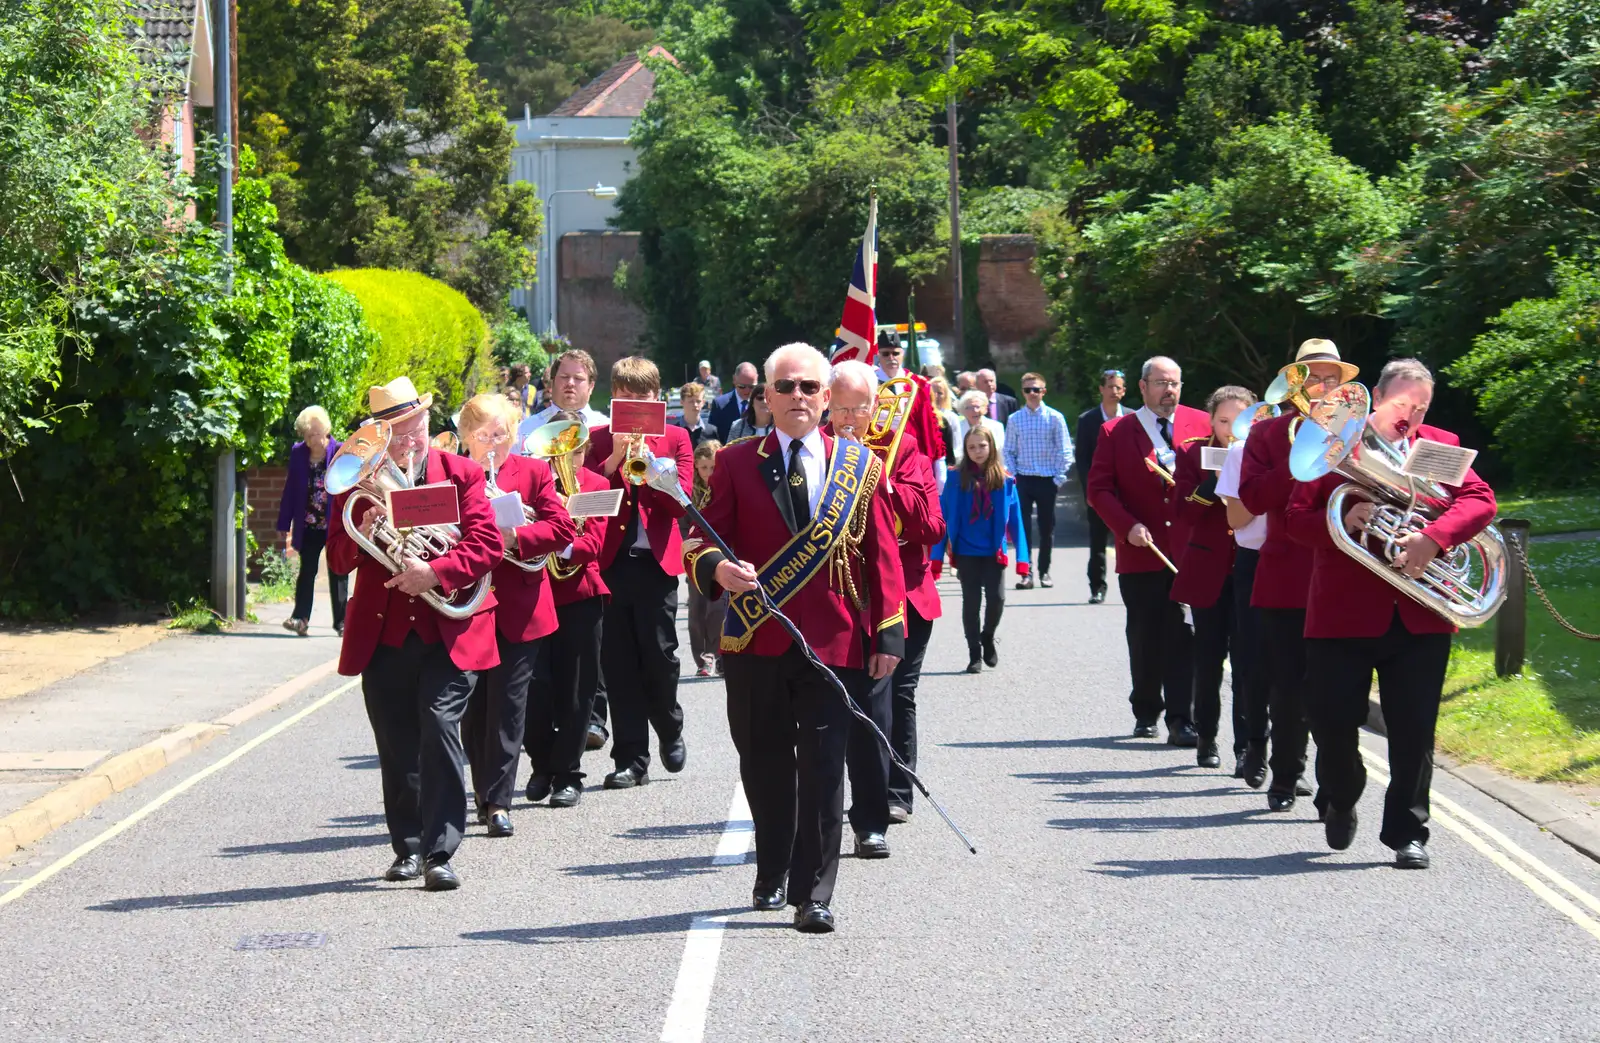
(1163, 453)
(803, 557)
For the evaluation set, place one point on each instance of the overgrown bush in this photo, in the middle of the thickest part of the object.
(516, 343)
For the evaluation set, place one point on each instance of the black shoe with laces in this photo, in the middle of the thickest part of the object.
(991, 657)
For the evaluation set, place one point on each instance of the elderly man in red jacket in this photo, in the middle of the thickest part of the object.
(1131, 487)
(1356, 623)
(793, 500)
(418, 667)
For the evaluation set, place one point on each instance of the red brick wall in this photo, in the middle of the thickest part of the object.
(595, 315)
(1010, 297)
(263, 498)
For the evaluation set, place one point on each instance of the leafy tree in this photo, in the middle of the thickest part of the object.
(537, 54)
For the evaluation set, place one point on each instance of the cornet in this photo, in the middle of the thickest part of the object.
(636, 464)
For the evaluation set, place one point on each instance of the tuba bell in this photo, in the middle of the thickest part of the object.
(362, 468)
(561, 443)
(1467, 584)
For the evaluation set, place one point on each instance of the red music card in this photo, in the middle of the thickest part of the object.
(629, 417)
(436, 504)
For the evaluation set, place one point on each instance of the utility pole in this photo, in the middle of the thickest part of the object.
(958, 306)
(225, 584)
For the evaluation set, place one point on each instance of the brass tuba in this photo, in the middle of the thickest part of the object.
(561, 443)
(362, 468)
(1467, 584)
(491, 490)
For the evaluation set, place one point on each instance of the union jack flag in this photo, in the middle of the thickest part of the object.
(858, 328)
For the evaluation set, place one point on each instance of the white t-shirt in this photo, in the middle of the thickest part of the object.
(1252, 536)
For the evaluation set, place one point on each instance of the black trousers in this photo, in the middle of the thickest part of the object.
(1214, 630)
(1283, 646)
(791, 730)
(983, 593)
(1038, 493)
(640, 647)
(415, 697)
(491, 729)
(1250, 686)
(599, 714)
(1099, 535)
(1411, 670)
(312, 542)
(903, 706)
(562, 699)
(1159, 648)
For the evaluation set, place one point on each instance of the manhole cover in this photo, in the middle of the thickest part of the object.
(293, 940)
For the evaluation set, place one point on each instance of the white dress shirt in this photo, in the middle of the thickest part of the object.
(1252, 536)
(593, 417)
(813, 458)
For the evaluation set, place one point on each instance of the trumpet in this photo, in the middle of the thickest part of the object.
(561, 442)
(636, 464)
(362, 468)
(492, 490)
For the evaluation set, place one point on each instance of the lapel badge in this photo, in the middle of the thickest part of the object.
(797, 480)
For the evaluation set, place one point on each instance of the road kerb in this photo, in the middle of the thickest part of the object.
(279, 695)
(127, 769)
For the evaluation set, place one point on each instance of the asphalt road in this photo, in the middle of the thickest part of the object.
(1120, 893)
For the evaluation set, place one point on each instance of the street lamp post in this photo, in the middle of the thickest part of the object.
(547, 273)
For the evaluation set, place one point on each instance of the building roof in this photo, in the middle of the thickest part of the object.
(169, 25)
(622, 90)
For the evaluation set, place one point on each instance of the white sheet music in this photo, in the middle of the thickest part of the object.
(1212, 458)
(508, 510)
(1437, 462)
(604, 503)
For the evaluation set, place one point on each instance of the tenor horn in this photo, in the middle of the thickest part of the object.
(561, 443)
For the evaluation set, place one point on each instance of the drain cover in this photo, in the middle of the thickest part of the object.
(294, 940)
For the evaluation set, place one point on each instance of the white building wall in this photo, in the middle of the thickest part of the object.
(567, 154)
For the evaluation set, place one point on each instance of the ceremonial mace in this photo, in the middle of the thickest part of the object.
(662, 476)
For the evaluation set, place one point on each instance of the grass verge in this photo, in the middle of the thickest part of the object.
(1564, 512)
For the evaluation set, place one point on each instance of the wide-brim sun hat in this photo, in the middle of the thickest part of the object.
(396, 401)
(1317, 350)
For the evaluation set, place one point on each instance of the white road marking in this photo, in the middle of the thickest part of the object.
(691, 995)
(155, 805)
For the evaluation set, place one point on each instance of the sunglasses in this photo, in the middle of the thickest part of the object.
(1110, 374)
(808, 387)
(1033, 391)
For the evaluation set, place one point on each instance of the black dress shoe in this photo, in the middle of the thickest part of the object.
(767, 898)
(538, 788)
(898, 814)
(871, 845)
(1144, 730)
(1182, 734)
(597, 737)
(1206, 754)
(975, 667)
(483, 813)
(1097, 597)
(440, 877)
(566, 795)
(673, 755)
(990, 656)
(1302, 788)
(627, 778)
(1413, 856)
(406, 867)
(813, 918)
(1255, 765)
(500, 824)
(1238, 765)
(1340, 828)
(1279, 800)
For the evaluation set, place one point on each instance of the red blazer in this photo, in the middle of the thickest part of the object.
(1125, 492)
(1283, 576)
(743, 510)
(1207, 555)
(527, 607)
(586, 549)
(658, 512)
(471, 641)
(918, 523)
(1347, 600)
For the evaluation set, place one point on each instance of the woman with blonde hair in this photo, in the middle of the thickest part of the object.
(303, 513)
(525, 611)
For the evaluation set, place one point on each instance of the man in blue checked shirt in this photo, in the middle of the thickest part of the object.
(1038, 454)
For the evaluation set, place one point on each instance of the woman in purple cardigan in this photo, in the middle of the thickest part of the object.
(304, 514)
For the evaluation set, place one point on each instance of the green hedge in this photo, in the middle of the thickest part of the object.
(425, 330)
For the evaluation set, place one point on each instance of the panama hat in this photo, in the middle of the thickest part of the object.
(1317, 350)
(397, 400)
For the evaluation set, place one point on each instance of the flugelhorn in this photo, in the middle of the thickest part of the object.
(362, 468)
(509, 552)
(561, 443)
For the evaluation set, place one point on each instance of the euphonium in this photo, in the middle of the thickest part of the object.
(1467, 584)
(561, 442)
(362, 468)
(491, 490)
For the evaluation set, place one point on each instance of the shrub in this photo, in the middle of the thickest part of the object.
(328, 354)
(515, 342)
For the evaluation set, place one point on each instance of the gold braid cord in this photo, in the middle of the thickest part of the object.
(846, 554)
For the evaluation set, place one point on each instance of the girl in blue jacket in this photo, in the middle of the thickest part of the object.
(981, 511)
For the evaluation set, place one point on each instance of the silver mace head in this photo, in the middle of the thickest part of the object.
(662, 475)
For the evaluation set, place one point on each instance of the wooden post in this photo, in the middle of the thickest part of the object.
(1511, 624)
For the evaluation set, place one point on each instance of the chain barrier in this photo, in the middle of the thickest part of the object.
(1522, 555)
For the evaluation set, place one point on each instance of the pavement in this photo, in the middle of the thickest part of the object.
(1119, 893)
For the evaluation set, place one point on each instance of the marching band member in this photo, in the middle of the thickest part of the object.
(641, 561)
(525, 611)
(568, 671)
(1205, 572)
(1357, 623)
(1250, 686)
(1282, 574)
(879, 792)
(775, 500)
(418, 667)
(1131, 487)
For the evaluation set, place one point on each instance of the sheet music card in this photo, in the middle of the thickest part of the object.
(604, 503)
(508, 513)
(631, 417)
(1212, 458)
(1437, 462)
(436, 504)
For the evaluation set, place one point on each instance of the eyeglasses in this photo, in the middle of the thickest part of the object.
(484, 438)
(808, 387)
(743, 387)
(1165, 385)
(1033, 391)
(852, 410)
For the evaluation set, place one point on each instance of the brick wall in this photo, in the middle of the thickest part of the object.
(1011, 300)
(263, 497)
(594, 314)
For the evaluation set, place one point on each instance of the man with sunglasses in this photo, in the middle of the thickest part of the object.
(730, 406)
(789, 499)
(1283, 576)
(1038, 454)
(1112, 387)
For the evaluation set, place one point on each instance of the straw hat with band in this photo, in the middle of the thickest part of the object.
(396, 401)
(1318, 350)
